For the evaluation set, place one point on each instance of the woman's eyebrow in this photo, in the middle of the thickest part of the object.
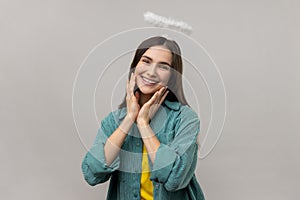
(165, 63)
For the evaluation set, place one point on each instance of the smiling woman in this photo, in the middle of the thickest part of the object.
(153, 71)
(129, 150)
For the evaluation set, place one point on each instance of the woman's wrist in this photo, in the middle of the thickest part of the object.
(142, 123)
(145, 130)
(126, 124)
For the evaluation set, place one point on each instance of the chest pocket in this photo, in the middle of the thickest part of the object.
(166, 136)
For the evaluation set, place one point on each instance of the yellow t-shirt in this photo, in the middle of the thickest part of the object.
(146, 183)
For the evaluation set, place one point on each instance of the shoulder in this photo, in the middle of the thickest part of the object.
(187, 117)
(187, 111)
(180, 110)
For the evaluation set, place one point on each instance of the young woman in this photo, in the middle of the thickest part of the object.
(148, 147)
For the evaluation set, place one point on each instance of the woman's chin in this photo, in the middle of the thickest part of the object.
(148, 90)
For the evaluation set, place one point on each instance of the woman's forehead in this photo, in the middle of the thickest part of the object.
(159, 53)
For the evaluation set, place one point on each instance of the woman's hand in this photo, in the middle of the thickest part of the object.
(149, 109)
(133, 106)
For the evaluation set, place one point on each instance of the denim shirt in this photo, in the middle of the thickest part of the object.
(172, 173)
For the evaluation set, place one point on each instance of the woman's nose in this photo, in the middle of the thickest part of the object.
(152, 70)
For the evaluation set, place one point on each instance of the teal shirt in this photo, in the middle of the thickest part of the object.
(176, 126)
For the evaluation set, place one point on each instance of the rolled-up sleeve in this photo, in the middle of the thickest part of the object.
(94, 167)
(175, 163)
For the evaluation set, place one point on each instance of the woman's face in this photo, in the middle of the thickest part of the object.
(154, 69)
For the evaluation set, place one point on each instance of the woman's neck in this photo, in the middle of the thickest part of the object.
(144, 98)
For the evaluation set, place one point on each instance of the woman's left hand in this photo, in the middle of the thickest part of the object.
(149, 109)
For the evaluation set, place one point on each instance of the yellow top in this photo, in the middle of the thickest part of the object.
(146, 184)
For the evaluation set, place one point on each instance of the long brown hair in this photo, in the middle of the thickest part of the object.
(175, 81)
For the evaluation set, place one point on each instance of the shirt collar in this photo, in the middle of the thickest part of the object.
(173, 105)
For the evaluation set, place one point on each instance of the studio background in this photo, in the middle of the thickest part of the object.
(254, 43)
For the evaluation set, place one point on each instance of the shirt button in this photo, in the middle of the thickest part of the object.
(138, 144)
(135, 195)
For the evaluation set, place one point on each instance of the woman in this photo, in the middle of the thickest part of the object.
(148, 147)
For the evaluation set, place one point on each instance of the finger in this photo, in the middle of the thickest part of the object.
(161, 94)
(130, 79)
(163, 90)
(163, 97)
(127, 88)
(157, 104)
(154, 104)
(153, 98)
(130, 92)
(132, 83)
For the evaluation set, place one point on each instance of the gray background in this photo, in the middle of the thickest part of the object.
(254, 43)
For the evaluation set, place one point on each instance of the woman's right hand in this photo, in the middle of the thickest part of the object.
(132, 99)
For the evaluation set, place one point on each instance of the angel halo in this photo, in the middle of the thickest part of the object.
(167, 22)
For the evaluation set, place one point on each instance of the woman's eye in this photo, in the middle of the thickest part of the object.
(145, 61)
(164, 67)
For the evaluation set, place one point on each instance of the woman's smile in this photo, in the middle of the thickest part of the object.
(148, 81)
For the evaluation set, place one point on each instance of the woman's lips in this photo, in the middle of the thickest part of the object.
(149, 82)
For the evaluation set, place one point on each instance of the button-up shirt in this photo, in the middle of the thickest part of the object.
(172, 173)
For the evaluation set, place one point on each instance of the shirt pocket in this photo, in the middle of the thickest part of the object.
(166, 136)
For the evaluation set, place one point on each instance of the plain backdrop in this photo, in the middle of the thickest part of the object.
(254, 43)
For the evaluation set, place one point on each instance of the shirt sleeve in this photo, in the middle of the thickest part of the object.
(94, 167)
(174, 164)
